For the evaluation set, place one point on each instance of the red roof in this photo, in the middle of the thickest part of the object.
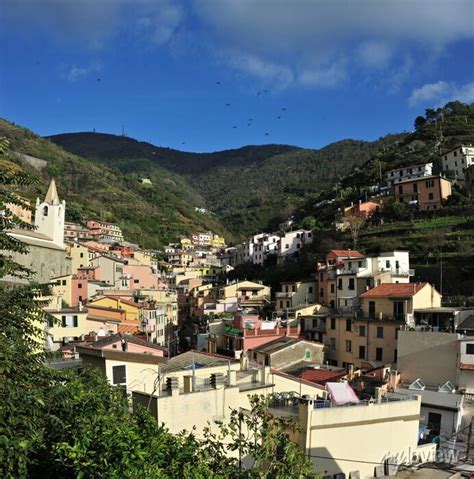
(322, 376)
(126, 329)
(346, 253)
(387, 290)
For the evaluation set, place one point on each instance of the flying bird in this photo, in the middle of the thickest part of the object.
(278, 117)
(259, 93)
(267, 134)
(234, 126)
(218, 82)
(283, 109)
(227, 104)
(98, 79)
(250, 119)
(266, 91)
(249, 124)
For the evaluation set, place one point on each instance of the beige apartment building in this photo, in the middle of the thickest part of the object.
(370, 335)
(294, 294)
(428, 193)
(360, 437)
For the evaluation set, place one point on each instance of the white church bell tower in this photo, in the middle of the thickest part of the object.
(49, 216)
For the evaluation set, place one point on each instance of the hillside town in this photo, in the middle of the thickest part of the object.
(358, 349)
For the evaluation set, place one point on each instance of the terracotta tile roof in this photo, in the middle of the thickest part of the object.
(469, 367)
(347, 253)
(127, 329)
(387, 290)
(322, 376)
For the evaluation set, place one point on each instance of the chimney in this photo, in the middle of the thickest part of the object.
(172, 386)
(188, 384)
(264, 373)
(217, 380)
(231, 378)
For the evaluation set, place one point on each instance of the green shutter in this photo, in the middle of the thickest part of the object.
(75, 321)
(63, 321)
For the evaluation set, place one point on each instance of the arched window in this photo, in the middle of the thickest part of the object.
(45, 211)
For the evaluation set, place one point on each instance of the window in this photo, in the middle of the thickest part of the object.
(379, 331)
(348, 346)
(348, 325)
(361, 352)
(119, 375)
(332, 287)
(81, 255)
(415, 187)
(45, 211)
(333, 323)
(398, 310)
(339, 283)
(395, 355)
(287, 246)
(287, 304)
(315, 323)
(360, 264)
(281, 304)
(321, 292)
(470, 348)
(69, 321)
(378, 354)
(362, 330)
(429, 183)
(351, 283)
(333, 343)
(310, 290)
(430, 196)
(80, 298)
(307, 355)
(293, 288)
(371, 309)
(455, 153)
(50, 322)
(400, 189)
(387, 263)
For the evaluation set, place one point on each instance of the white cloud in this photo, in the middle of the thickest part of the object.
(428, 92)
(329, 76)
(76, 72)
(375, 54)
(441, 92)
(286, 42)
(308, 36)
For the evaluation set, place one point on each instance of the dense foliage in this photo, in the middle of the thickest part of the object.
(249, 189)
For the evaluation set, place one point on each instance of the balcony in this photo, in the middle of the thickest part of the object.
(284, 294)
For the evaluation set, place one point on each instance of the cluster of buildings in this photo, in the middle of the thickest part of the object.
(262, 246)
(417, 185)
(375, 371)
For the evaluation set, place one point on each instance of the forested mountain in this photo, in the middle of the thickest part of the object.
(151, 215)
(249, 189)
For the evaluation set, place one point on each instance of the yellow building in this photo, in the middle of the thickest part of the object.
(248, 293)
(133, 311)
(370, 335)
(81, 256)
(218, 242)
(186, 243)
(62, 287)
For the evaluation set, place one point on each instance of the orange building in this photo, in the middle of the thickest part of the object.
(428, 192)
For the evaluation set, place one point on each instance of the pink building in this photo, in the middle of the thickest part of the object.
(248, 331)
(126, 343)
(140, 276)
(89, 272)
(79, 291)
(364, 209)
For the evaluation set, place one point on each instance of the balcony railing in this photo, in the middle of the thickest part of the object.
(284, 294)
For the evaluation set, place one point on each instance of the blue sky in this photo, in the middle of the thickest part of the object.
(358, 69)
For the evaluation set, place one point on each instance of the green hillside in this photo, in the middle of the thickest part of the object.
(151, 215)
(249, 189)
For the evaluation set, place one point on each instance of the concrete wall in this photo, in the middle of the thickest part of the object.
(429, 356)
(297, 352)
(370, 433)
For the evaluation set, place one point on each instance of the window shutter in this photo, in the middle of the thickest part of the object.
(75, 321)
(63, 321)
